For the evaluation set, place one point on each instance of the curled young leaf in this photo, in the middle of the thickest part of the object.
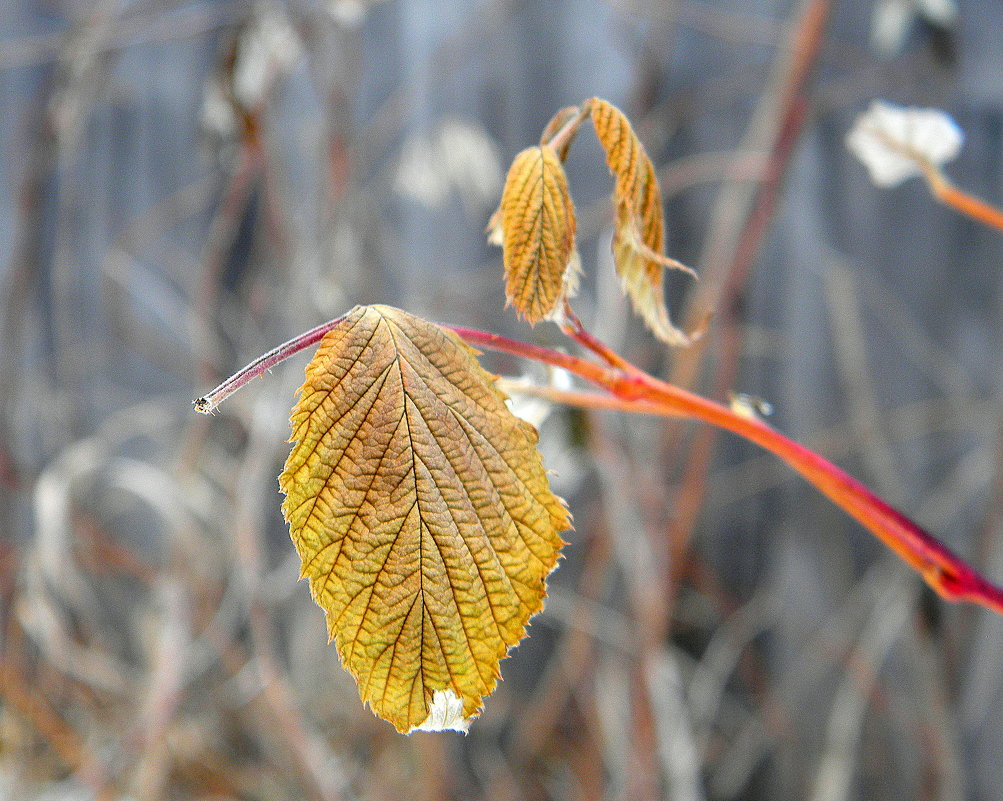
(639, 235)
(557, 123)
(421, 512)
(536, 226)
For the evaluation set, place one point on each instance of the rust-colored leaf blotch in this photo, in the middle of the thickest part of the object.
(639, 235)
(421, 511)
(537, 220)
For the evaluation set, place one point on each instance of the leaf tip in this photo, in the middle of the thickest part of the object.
(561, 130)
(494, 230)
(445, 713)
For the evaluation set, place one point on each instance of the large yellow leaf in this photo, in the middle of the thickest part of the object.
(535, 225)
(422, 514)
(639, 236)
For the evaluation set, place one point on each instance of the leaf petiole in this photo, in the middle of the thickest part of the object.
(209, 402)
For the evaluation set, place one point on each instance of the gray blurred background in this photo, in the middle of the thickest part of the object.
(184, 185)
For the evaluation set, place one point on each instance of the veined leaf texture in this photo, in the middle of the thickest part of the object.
(639, 233)
(422, 514)
(537, 221)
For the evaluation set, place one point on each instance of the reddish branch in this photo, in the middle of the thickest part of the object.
(633, 390)
(636, 391)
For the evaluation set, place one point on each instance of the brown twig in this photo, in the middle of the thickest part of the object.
(740, 224)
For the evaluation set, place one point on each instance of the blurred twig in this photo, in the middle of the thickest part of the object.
(741, 219)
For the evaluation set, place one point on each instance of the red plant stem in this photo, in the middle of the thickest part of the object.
(573, 328)
(946, 573)
(635, 391)
(208, 402)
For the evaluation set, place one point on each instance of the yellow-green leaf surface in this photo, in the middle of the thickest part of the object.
(422, 514)
(639, 236)
(537, 221)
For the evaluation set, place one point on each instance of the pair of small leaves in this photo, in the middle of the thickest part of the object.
(535, 222)
(421, 511)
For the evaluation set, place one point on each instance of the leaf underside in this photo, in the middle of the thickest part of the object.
(422, 514)
(537, 219)
(639, 234)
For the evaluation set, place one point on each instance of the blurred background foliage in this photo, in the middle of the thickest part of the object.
(185, 184)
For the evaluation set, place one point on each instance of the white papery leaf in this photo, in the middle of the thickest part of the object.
(531, 408)
(895, 143)
(445, 713)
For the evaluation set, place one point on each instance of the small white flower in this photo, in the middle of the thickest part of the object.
(896, 143)
(445, 713)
